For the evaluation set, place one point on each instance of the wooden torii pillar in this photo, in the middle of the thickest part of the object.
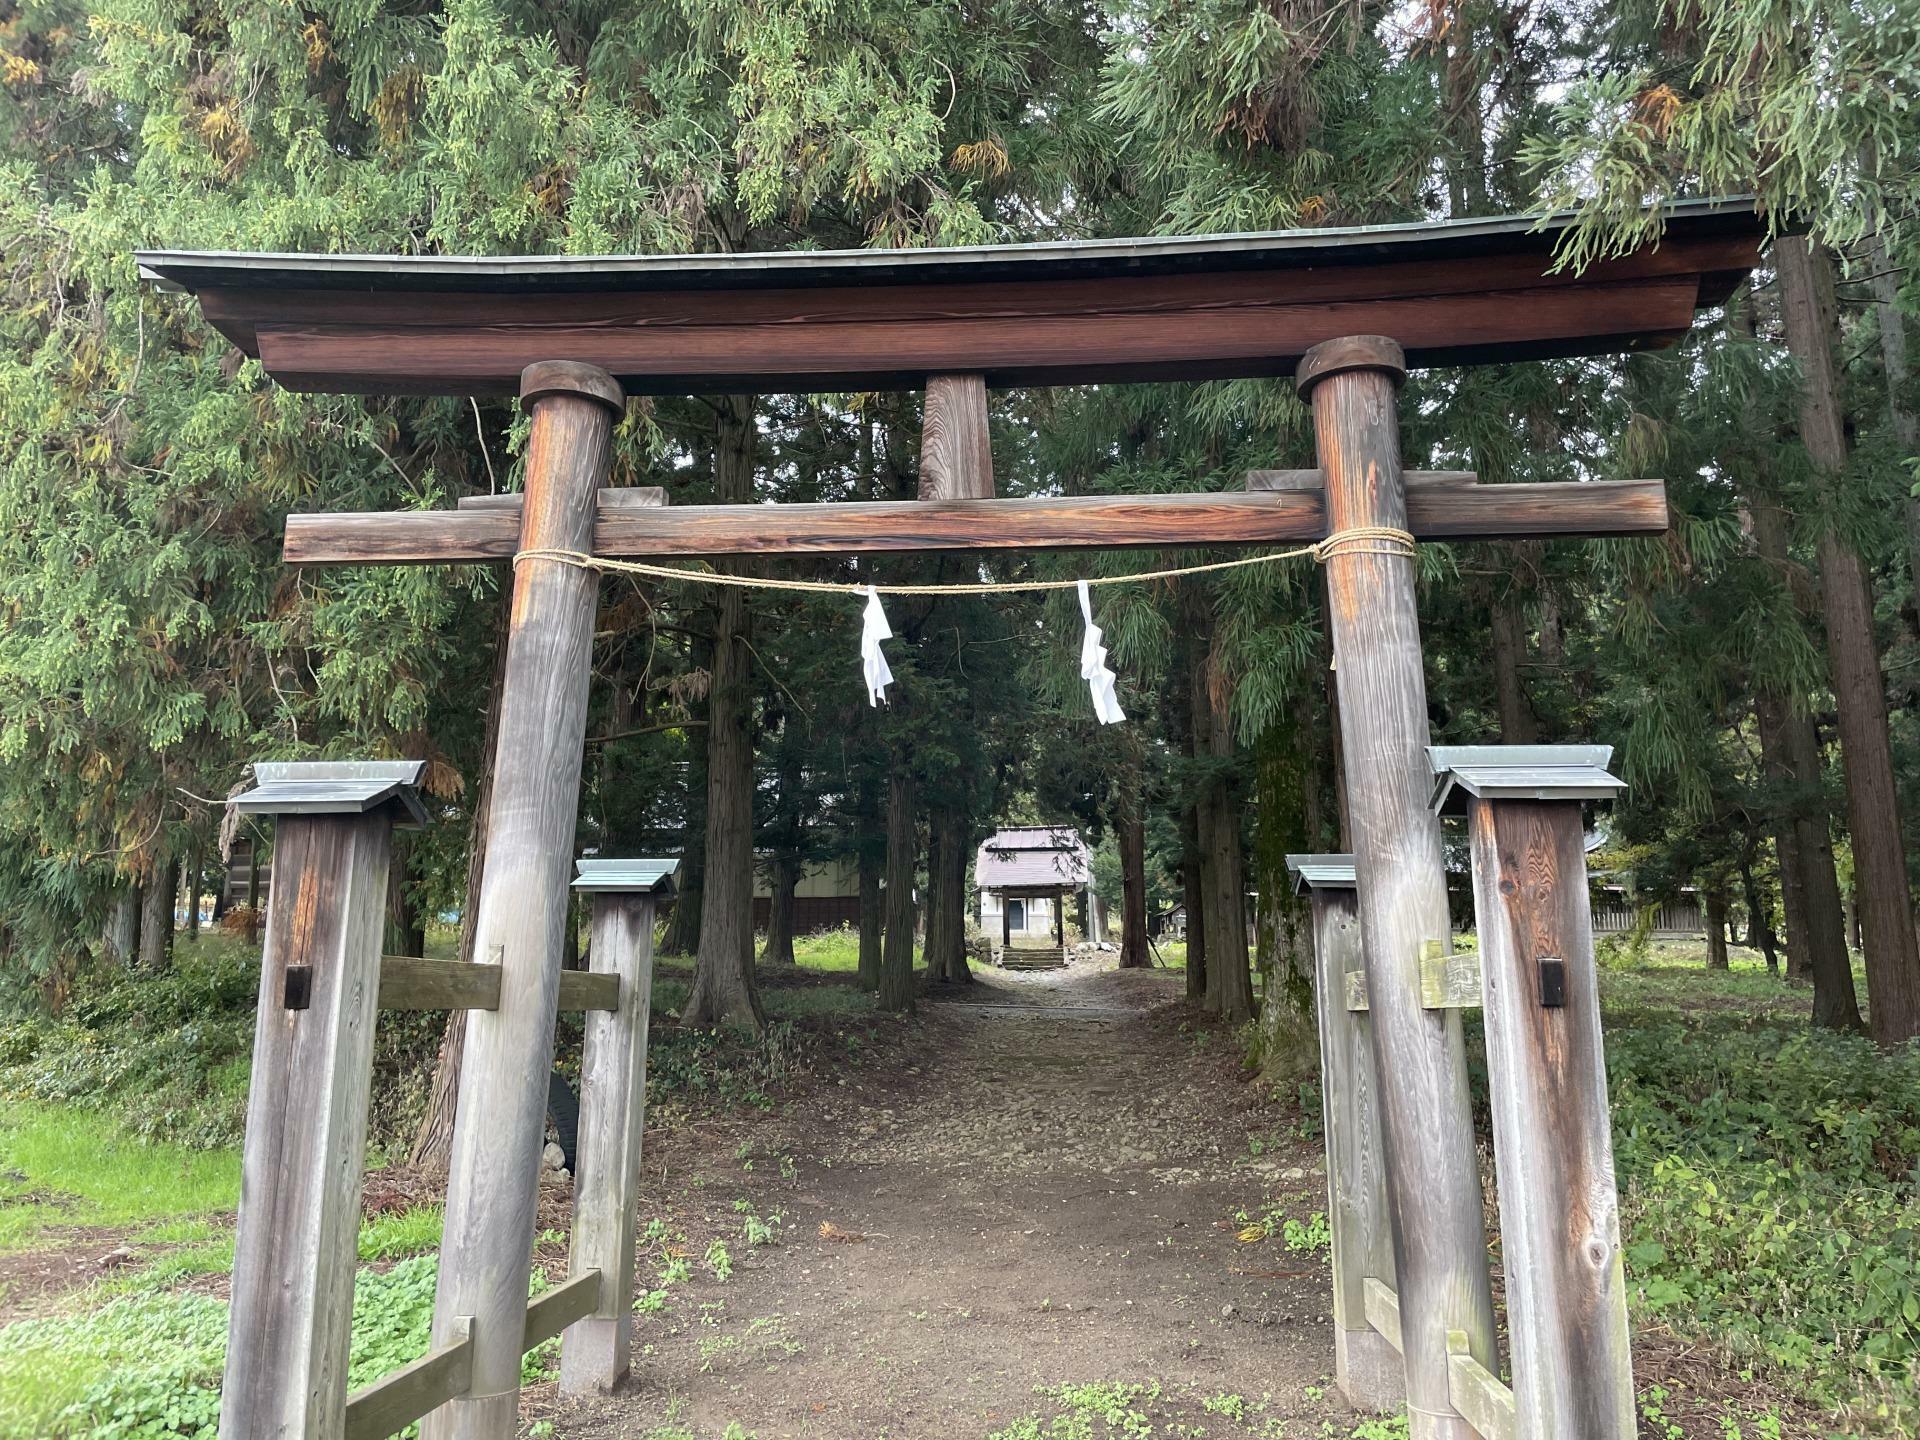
(493, 1182)
(1432, 1169)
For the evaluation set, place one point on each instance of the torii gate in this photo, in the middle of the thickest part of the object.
(1351, 309)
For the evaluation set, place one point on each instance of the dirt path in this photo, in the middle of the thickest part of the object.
(1046, 1180)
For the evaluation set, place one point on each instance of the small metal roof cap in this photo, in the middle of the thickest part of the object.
(1520, 772)
(632, 877)
(335, 787)
(1321, 872)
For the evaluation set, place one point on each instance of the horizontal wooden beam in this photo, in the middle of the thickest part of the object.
(410, 983)
(1104, 522)
(1383, 1310)
(1484, 1401)
(589, 990)
(554, 1310)
(395, 1401)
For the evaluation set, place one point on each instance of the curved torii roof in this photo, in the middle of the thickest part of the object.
(1453, 292)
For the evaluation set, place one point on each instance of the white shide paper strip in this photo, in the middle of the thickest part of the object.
(873, 665)
(1093, 665)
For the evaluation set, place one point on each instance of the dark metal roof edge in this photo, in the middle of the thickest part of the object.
(198, 269)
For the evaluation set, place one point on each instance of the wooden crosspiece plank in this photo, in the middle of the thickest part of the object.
(1435, 511)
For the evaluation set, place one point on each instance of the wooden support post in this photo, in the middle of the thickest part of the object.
(494, 1174)
(1553, 1136)
(1366, 1367)
(1432, 1167)
(306, 1137)
(613, 1099)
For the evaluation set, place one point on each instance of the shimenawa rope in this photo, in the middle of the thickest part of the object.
(1361, 540)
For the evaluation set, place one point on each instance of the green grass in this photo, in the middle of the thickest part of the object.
(72, 1166)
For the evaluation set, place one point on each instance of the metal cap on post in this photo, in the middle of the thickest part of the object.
(306, 1134)
(595, 1348)
(1318, 872)
(336, 787)
(1519, 772)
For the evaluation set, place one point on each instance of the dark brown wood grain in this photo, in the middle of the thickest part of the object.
(1277, 517)
(1559, 1207)
(286, 1367)
(1432, 1169)
(465, 352)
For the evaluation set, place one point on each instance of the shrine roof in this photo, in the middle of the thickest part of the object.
(1150, 308)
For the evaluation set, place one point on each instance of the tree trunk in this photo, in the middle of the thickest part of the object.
(1509, 645)
(1759, 916)
(1866, 751)
(946, 947)
(1130, 831)
(1283, 928)
(1809, 884)
(1716, 898)
(433, 1141)
(406, 931)
(1192, 900)
(190, 874)
(896, 956)
(872, 915)
(724, 991)
(1229, 985)
(1884, 275)
(785, 879)
(122, 937)
(156, 916)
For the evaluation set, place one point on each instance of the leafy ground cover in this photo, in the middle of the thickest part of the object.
(1769, 1178)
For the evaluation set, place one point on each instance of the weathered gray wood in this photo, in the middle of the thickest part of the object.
(613, 1110)
(395, 1401)
(1383, 1311)
(1553, 1136)
(1367, 1369)
(293, 1257)
(410, 983)
(586, 990)
(610, 497)
(1433, 1180)
(1448, 981)
(1478, 1393)
(494, 1174)
(552, 1311)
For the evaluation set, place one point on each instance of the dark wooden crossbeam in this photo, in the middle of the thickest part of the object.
(1441, 507)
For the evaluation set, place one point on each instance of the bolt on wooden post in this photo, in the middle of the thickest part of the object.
(306, 1137)
(1432, 1169)
(1546, 1066)
(1366, 1366)
(494, 1173)
(613, 1098)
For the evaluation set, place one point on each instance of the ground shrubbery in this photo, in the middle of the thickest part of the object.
(1771, 1196)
